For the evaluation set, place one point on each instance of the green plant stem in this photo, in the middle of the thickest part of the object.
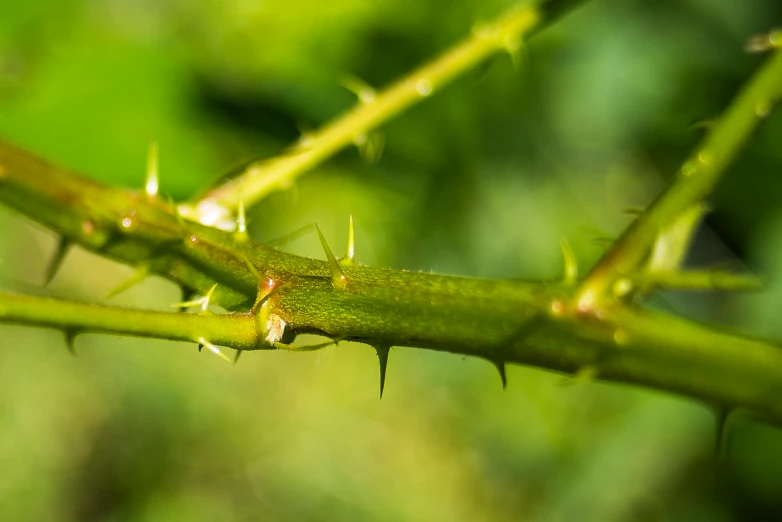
(234, 330)
(705, 280)
(502, 321)
(260, 178)
(695, 181)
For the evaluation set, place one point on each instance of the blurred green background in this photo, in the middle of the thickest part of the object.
(480, 180)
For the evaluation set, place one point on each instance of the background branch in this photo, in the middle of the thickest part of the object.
(506, 34)
(694, 182)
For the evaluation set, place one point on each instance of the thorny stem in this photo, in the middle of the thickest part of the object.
(502, 321)
(695, 181)
(538, 324)
(373, 109)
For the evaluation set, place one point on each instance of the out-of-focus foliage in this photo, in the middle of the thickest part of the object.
(481, 180)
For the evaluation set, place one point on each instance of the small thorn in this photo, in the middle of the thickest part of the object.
(140, 274)
(517, 50)
(349, 258)
(503, 376)
(203, 301)
(236, 357)
(241, 221)
(70, 341)
(363, 91)
(212, 348)
(338, 279)
(582, 375)
(571, 264)
(59, 255)
(200, 347)
(187, 295)
(254, 272)
(382, 356)
(207, 298)
(287, 238)
(370, 146)
(603, 242)
(178, 216)
(721, 421)
(634, 211)
(152, 184)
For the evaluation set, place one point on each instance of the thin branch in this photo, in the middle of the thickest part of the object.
(505, 34)
(695, 181)
(703, 280)
(234, 330)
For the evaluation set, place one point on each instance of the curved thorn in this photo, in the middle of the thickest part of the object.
(236, 357)
(212, 348)
(382, 356)
(338, 279)
(152, 184)
(571, 264)
(70, 341)
(140, 274)
(63, 247)
(207, 298)
(503, 376)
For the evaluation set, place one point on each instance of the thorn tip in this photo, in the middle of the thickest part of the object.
(500, 365)
(152, 184)
(63, 247)
(382, 356)
(338, 279)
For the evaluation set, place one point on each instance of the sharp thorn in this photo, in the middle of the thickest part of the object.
(721, 421)
(503, 376)
(187, 296)
(207, 298)
(212, 348)
(241, 221)
(382, 356)
(351, 250)
(236, 357)
(70, 341)
(634, 211)
(571, 264)
(140, 274)
(178, 216)
(152, 184)
(63, 246)
(582, 375)
(360, 88)
(338, 279)
(200, 347)
(370, 146)
(254, 272)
